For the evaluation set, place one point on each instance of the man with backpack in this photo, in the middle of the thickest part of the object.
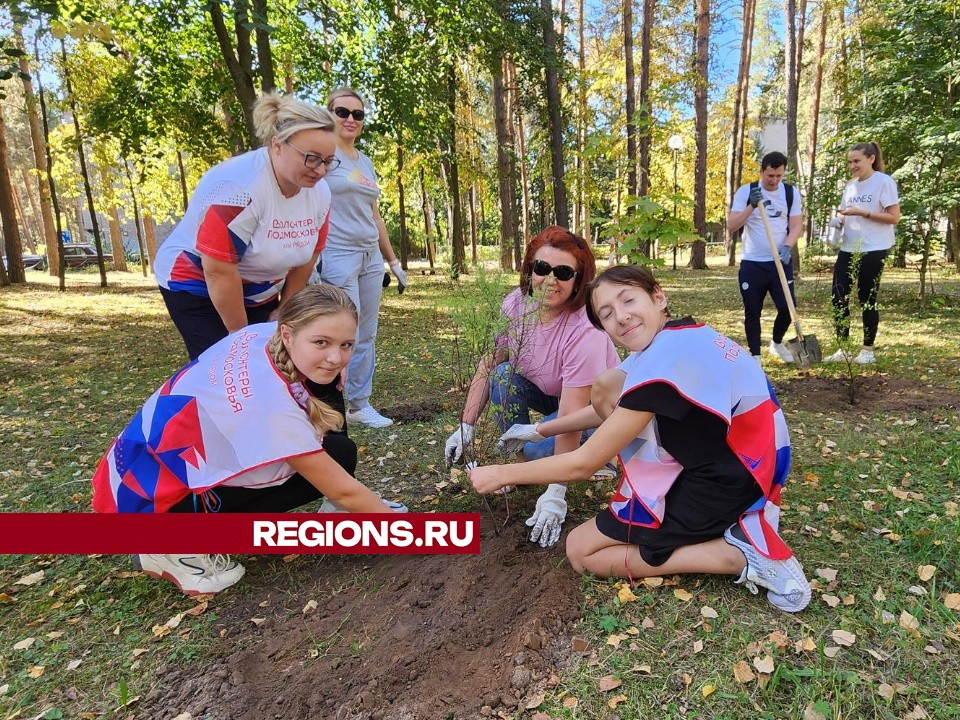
(758, 273)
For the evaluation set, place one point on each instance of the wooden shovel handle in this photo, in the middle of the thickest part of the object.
(780, 272)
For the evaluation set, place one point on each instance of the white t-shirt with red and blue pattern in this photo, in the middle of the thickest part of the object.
(237, 214)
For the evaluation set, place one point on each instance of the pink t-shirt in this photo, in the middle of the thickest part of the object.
(566, 352)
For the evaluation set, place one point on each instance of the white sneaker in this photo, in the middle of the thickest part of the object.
(787, 586)
(866, 357)
(840, 355)
(778, 349)
(759, 359)
(329, 507)
(193, 574)
(368, 416)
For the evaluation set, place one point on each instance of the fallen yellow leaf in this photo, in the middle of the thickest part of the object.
(764, 664)
(570, 702)
(831, 600)
(616, 700)
(952, 601)
(708, 612)
(909, 622)
(697, 646)
(742, 673)
(31, 579)
(682, 595)
(806, 645)
(925, 572)
(707, 690)
(831, 651)
(36, 671)
(886, 691)
(625, 594)
(24, 644)
(842, 637)
(828, 574)
(653, 582)
(879, 595)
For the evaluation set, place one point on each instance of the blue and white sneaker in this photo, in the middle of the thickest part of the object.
(787, 586)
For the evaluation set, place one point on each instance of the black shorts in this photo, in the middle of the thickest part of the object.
(692, 516)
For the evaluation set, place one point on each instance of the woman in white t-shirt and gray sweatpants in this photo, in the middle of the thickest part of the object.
(869, 209)
(357, 246)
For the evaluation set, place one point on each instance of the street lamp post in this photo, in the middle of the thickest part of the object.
(675, 143)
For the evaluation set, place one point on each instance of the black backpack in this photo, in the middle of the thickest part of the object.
(787, 188)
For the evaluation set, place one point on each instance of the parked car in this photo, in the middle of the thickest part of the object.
(30, 262)
(81, 255)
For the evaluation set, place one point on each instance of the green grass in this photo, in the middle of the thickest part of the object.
(873, 496)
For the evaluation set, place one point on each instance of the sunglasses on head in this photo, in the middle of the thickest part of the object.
(343, 113)
(560, 272)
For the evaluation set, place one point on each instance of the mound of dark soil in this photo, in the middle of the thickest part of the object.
(398, 637)
(870, 392)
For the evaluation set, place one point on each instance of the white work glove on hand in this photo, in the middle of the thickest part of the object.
(835, 238)
(401, 276)
(460, 438)
(549, 516)
(513, 440)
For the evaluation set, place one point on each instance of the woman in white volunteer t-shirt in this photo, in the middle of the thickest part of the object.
(254, 227)
(870, 208)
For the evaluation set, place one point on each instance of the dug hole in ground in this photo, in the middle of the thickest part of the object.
(420, 636)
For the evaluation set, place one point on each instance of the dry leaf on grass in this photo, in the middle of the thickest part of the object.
(197, 609)
(708, 612)
(764, 664)
(742, 673)
(625, 594)
(813, 711)
(24, 644)
(683, 595)
(73, 664)
(879, 595)
(842, 637)
(653, 582)
(831, 600)
(831, 651)
(541, 716)
(925, 572)
(258, 621)
(805, 645)
(570, 702)
(918, 713)
(616, 700)
(609, 683)
(697, 646)
(36, 671)
(886, 691)
(536, 701)
(952, 601)
(828, 574)
(708, 690)
(31, 579)
(909, 622)
(615, 640)
(310, 607)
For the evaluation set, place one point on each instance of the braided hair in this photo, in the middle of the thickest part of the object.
(312, 302)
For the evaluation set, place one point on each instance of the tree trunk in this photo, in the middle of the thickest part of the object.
(698, 253)
(34, 209)
(25, 224)
(735, 152)
(50, 233)
(798, 64)
(472, 206)
(402, 207)
(427, 222)
(631, 101)
(551, 54)
(506, 167)
(790, 75)
(113, 218)
(8, 216)
(646, 111)
(815, 112)
(183, 181)
(144, 260)
(451, 164)
(514, 94)
(57, 259)
(264, 54)
(584, 164)
(239, 64)
(150, 231)
(98, 243)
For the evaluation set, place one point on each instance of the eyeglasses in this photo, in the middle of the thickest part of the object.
(343, 113)
(313, 161)
(560, 272)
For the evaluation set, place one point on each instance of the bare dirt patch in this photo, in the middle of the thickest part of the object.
(873, 392)
(398, 637)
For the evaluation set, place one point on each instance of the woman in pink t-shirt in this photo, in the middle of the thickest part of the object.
(546, 360)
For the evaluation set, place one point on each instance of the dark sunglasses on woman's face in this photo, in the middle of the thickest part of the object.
(343, 113)
(560, 272)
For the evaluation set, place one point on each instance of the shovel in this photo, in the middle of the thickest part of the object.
(805, 350)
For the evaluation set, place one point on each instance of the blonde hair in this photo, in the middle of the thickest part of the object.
(870, 150)
(283, 116)
(340, 92)
(312, 302)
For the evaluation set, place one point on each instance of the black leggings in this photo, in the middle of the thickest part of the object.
(866, 269)
(295, 492)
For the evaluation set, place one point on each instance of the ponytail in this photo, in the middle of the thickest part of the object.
(871, 150)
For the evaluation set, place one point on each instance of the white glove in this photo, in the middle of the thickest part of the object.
(460, 438)
(401, 275)
(513, 440)
(549, 516)
(836, 222)
(835, 238)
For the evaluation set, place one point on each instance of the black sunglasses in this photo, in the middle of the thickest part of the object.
(560, 272)
(344, 113)
(314, 161)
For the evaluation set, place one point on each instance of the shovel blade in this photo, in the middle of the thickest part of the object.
(806, 352)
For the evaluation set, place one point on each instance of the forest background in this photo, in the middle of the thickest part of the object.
(489, 120)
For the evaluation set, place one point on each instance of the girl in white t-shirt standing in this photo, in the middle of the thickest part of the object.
(869, 209)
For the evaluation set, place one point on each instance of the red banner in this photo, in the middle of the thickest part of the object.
(239, 533)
